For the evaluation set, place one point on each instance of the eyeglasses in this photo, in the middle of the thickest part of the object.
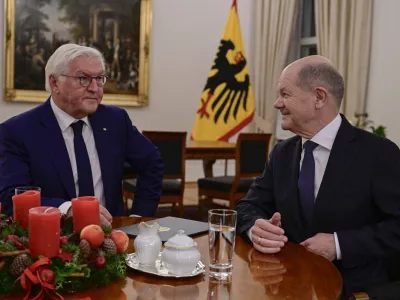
(85, 80)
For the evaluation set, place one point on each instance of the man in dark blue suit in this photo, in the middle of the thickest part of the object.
(74, 146)
(333, 188)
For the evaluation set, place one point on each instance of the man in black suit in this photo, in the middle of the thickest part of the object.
(333, 188)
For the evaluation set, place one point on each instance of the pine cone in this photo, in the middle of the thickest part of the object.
(19, 264)
(84, 249)
(24, 240)
(109, 246)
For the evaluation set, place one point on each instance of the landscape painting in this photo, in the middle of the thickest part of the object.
(119, 29)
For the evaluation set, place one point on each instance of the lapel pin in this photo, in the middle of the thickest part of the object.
(105, 129)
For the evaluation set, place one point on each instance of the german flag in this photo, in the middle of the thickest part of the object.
(227, 103)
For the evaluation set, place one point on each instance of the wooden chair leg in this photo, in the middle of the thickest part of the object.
(125, 197)
(125, 200)
(180, 213)
(232, 202)
(199, 208)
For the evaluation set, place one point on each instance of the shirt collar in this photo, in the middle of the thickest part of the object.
(326, 136)
(65, 120)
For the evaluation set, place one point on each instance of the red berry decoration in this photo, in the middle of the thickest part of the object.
(15, 240)
(47, 275)
(100, 261)
(64, 240)
(11, 237)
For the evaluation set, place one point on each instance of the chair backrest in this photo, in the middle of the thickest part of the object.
(251, 154)
(172, 146)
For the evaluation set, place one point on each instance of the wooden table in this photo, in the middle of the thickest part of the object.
(294, 273)
(209, 152)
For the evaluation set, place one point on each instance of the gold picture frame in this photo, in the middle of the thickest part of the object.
(135, 94)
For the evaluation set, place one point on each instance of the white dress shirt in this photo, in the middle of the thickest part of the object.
(324, 138)
(64, 121)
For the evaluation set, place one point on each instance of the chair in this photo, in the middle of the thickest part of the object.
(385, 291)
(251, 155)
(172, 146)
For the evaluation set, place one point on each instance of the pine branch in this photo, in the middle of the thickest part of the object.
(14, 253)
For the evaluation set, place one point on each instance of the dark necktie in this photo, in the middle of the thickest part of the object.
(306, 182)
(85, 179)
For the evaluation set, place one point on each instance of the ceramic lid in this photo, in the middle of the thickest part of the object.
(180, 240)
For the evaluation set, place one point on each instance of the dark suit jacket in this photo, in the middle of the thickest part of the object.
(33, 152)
(359, 198)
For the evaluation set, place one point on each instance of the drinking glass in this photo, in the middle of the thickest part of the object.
(25, 198)
(221, 238)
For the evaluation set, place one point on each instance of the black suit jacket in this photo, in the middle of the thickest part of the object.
(359, 199)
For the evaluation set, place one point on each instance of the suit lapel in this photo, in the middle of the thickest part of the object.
(340, 159)
(101, 139)
(294, 153)
(57, 149)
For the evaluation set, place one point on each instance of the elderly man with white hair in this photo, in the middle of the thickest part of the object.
(72, 145)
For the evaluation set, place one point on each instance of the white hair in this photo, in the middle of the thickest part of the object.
(60, 59)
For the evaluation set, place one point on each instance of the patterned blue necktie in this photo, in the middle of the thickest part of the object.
(306, 182)
(85, 179)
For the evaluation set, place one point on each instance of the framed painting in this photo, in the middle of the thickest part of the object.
(120, 29)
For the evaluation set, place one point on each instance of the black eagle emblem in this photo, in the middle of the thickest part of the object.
(234, 93)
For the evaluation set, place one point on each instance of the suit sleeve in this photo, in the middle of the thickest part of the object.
(146, 160)
(259, 202)
(381, 239)
(15, 170)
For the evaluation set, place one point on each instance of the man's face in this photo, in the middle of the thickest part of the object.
(77, 100)
(296, 105)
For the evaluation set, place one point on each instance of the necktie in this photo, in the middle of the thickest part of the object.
(85, 179)
(306, 182)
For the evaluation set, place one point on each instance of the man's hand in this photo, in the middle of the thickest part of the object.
(268, 270)
(105, 217)
(322, 244)
(267, 236)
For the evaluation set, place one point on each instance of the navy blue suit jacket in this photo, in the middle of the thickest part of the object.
(359, 198)
(33, 152)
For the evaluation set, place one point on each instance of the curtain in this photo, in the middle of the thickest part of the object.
(343, 30)
(274, 20)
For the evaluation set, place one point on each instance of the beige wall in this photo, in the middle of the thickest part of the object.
(383, 101)
(184, 41)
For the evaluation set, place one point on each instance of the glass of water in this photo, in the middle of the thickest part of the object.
(221, 241)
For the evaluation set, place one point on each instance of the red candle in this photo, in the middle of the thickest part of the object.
(85, 211)
(22, 202)
(44, 231)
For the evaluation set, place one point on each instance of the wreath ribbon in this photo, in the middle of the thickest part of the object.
(31, 276)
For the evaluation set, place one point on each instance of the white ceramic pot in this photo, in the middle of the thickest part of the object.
(147, 244)
(180, 254)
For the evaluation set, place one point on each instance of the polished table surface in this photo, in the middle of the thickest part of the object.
(294, 273)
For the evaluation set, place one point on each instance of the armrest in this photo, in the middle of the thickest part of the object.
(359, 296)
(386, 291)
